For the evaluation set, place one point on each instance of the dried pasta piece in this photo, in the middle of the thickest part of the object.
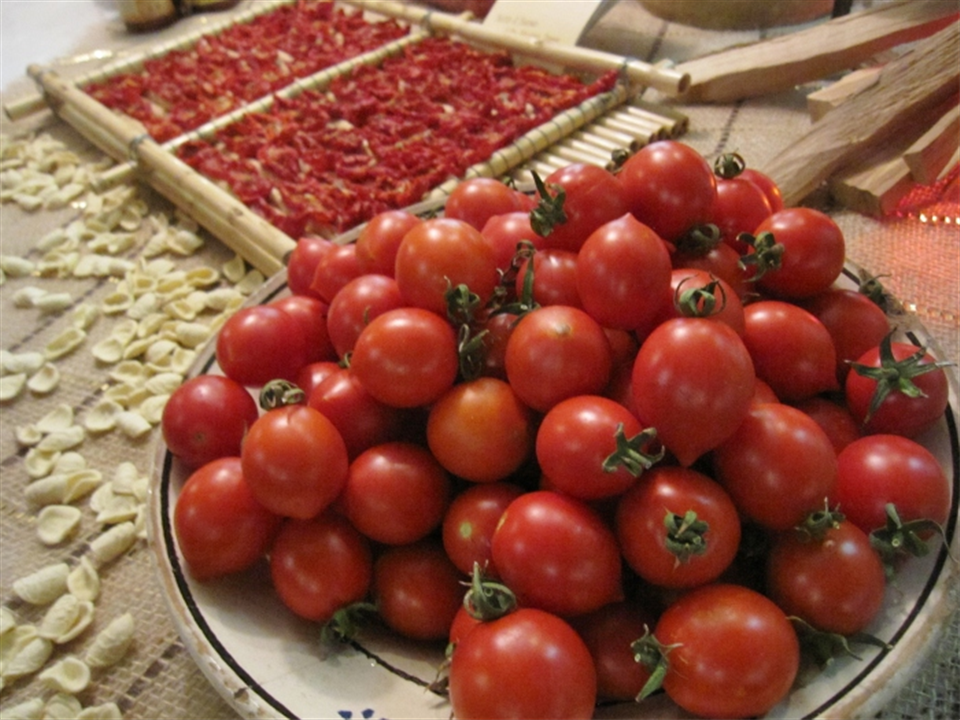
(133, 424)
(164, 383)
(11, 386)
(27, 435)
(69, 462)
(39, 463)
(25, 362)
(234, 269)
(152, 408)
(15, 266)
(130, 372)
(192, 334)
(49, 490)
(104, 711)
(45, 380)
(203, 276)
(116, 302)
(62, 706)
(109, 350)
(144, 305)
(83, 582)
(60, 617)
(60, 418)
(84, 315)
(55, 523)
(31, 709)
(69, 675)
(53, 302)
(25, 297)
(112, 543)
(8, 621)
(111, 643)
(118, 509)
(250, 282)
(102, 417)
(81, 483)
(28, 659)
(43, 586)
(65, 343)
(61, 440)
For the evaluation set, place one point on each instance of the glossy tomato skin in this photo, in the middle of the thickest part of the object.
(336, 268)
(721, 260)
(669, 187)
(779, 466)
(791, 349)
(623, 274)
(643, 535)
(207, 418)
(356, 304)
(406, 357)
(594, 196)
(259, 344)
(303, 264)
(478, 199)
(693, 381)
(767, 184)
(362, 420)
(855, 323)
(880, 469)
(440, 253)
(740, 207)
(554, 278)
(608, 633)
(311, 314)
(295, 461)
(320, 565)
(219, 525)
(480, 430)
(736, 654)
(505, 232)
(574, 439)
(728, 308)
(396, 493)
(813, 252)
(898, 414)
(556, 352)
(417, 590)
(379, 239)
(557, 554)
(492, 668)
(835, 419)
(835, 583)
(470, 522)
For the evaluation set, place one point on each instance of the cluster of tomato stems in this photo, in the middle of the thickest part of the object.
(487, 599)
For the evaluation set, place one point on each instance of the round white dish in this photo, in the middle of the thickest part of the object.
(269, 664)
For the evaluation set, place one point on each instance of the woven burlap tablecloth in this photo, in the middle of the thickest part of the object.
(158, 678)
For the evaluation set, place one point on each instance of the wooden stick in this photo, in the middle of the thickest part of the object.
(667, 80)
(820, 102)
(929, 155)
(784, 62)
(875, 189)
(34, 103)
(256, 240)
(924, 77)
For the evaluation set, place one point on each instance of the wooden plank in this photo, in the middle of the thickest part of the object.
(781, 63)
(929, 155)
(908, 90)
(820, 102)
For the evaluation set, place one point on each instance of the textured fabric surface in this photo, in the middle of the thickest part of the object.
(919, 260)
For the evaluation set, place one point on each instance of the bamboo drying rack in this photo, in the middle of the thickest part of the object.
(589, 132)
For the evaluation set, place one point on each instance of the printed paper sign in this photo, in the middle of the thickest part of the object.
(554, 21)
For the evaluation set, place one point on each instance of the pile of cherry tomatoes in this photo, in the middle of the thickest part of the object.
(624, 427)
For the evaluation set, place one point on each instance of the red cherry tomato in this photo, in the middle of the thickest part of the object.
(396, 493)
(740, 207)
(480, 430)
(767, 184)
(677, 528)
(693, 381)
(478, 199)
(320, 565)
(356, 304)
(379, 239)
(623, 274)
(556, 352)
(492, 669)
(505, 232)
(734, 653)
(295, 461)
(311, 314)
(557, 554)
(406, 357)
(779, 466)
(336, 268)
(834, 582)
(439, 254)
(219, 525)
(207, 418)
(554, 277)
(259, 344)
(302, 264)
(669, 187)
(470, 522)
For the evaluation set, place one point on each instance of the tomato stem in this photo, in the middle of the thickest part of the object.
(816, 525)
(278, 393)
(895, 375)
(824, 647)
(549, 211)
(488, 600)
(729, 165)
(346, 623)
(651, 653)
(897, 538)
(700, 301)
(767, 253)
(699, 240)
(630, 452)
(685, 535)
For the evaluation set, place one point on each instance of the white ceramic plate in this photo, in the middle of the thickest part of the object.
(268, 664)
